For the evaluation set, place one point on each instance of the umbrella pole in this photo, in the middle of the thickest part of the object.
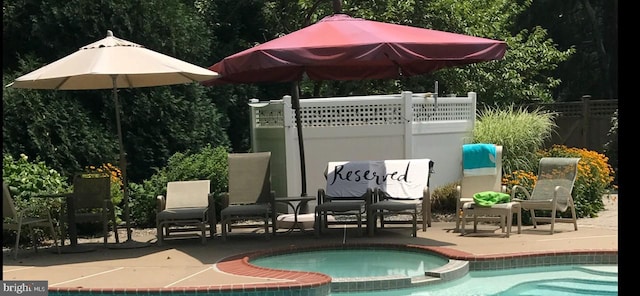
(129, 243)
(123, 160)
(296, 106)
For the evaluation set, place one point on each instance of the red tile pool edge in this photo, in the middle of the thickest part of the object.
(239, 265)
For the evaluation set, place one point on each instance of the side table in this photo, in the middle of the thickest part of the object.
(301, 203)
(504, 210)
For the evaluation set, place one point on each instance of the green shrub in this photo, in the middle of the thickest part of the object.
(443, 199)
(28, 178)
(209, 163)
(520, 132)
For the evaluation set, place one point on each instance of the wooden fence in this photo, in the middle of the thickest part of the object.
(582, 124)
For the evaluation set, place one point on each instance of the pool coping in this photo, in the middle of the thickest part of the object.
(312, 283)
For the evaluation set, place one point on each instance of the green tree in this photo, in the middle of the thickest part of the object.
(589, 26)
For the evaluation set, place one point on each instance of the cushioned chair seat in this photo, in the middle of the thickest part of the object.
(341, 206)
(246, 210)
(183, 214)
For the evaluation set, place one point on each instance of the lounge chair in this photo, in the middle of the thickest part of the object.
(478, 179)
(15, 220)
(407, 195)
(185, 208)
(552, 191)
(250, 196)
(343, 196)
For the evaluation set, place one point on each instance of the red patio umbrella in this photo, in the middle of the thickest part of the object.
(340, 47)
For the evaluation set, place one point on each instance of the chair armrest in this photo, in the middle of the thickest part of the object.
(224, 200)
(160, 203)
(515, 189)
(321, 195)
(369, 197)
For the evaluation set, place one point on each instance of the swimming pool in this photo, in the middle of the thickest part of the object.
(368, 272)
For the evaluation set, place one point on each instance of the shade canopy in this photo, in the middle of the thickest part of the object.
(340, 47)
(93, 67)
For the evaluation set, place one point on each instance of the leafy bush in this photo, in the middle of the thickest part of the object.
(443, 199)
(595, 177)
(26, 179)
(519, 131)
(209, 163)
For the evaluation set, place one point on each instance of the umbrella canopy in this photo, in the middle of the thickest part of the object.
(340, 47)
(114, 63)
(93, 67)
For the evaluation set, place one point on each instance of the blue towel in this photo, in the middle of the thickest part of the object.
(479, 159)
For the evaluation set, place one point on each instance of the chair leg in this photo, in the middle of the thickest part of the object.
(55, 235)
(415, 224)
(509, 222)
(34, 239)
(105, 228)
(266, 226)
(15, 250)
(203, 230)
(553, 218)
(426, 219)
(533, 218)
(371, 222)
(160, 233)
(115, 226)
(317, 224)
(573, 215)
(224, 225)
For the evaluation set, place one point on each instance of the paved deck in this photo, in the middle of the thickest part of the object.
(187, 263)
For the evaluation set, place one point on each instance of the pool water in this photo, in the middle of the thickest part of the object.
(561, 280)
(356, 262)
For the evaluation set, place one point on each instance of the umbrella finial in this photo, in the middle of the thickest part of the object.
(109, 33)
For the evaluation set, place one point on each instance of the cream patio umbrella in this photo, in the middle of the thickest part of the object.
(113, 63)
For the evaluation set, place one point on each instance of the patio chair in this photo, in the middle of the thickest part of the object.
(250, 196)
(406, 195)
(92, 203)
(479, 176)
(187, 207)
(551, 192)
(343, 196)
(15, 220)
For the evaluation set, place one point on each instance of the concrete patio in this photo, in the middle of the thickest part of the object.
(187, 263)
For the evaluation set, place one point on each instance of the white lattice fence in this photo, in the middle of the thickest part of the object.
(379, 127)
